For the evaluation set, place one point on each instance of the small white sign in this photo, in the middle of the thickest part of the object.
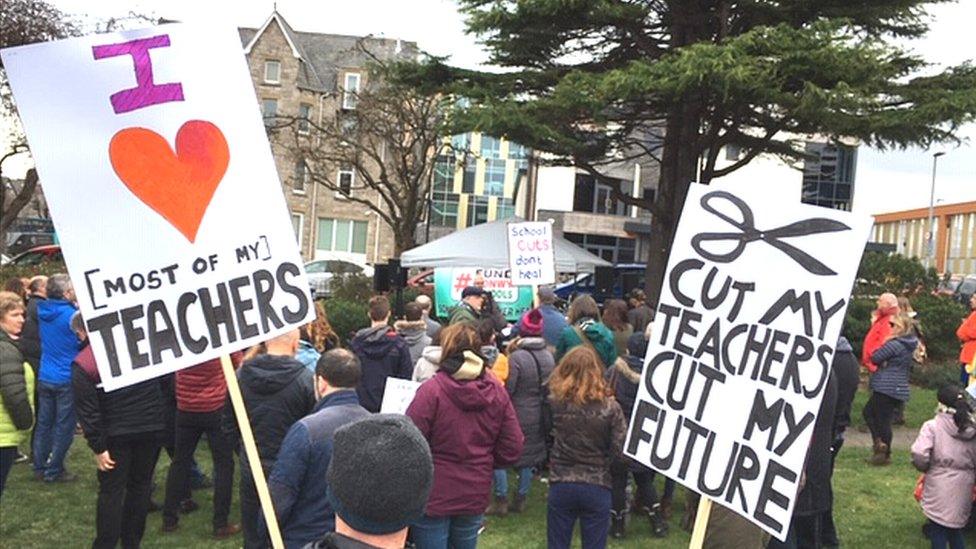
(531, 254)
(398, 395)
(164, 193)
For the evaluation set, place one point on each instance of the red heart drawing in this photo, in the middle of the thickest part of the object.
(177, 186)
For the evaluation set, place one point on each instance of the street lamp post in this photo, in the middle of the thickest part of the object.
(930, 251)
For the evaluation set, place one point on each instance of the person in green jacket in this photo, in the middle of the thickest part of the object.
(16, 385)
(469, 310)
(584, 322)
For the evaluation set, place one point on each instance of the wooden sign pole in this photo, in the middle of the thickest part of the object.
(252, 452)
(701, 523)
(535, 296)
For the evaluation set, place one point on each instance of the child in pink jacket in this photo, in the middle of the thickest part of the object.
(945, 451)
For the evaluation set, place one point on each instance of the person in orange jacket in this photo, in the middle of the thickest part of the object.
(967, 335)
(880, 329)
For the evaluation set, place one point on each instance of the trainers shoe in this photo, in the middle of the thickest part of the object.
(188, 506)
(658, 525)
(618, 525)
(226, 531)
(21, 458)
(64, 477)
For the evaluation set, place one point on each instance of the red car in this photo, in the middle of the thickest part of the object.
(33, 256)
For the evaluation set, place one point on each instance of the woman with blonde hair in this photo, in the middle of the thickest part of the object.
(889, 384)
(588, 434)
(16, 384)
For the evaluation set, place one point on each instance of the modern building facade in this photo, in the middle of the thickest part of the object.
(477, 184)
(316, 76)
(954, 232)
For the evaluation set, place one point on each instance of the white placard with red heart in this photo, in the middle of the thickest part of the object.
(157, 171)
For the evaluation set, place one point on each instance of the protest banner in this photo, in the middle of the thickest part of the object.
(751, 307)
(450, 282)
(398, 395)
(531, 254)
(164, 193)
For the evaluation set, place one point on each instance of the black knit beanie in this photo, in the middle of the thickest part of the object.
(380, 474)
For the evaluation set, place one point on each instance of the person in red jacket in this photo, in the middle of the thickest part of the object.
(468, 419)
(967, 335)
(880, 329)
(201, 395)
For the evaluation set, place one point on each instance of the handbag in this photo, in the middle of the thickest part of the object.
(919, 487)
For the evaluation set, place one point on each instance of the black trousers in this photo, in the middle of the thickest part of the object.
(190, 426)
(878, 414)
(252, 521)
(123, 492)
(620, 473)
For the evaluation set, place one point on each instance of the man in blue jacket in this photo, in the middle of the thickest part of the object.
(553, 321)
(298, 480)
(382, 354)
(56, 403)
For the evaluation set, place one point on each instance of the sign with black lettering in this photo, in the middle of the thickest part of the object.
(741, 346)
(164, 193)
(531, 254)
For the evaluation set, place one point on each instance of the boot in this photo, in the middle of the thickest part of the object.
(658, 525)
(618, 527)
(882, 455)
(518, 504)
(498, 507)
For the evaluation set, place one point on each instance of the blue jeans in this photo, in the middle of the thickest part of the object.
(55, 428)
(569, 501)
(457, 532)
(524, 481)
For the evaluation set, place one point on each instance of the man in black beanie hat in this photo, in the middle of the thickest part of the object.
(379, 480)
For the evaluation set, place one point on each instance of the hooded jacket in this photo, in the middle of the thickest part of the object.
(847, 374)
(202, 388)
(16, 394)
(278, 391)
(414, 332)
(463, 313)
(472, 429)
(382, 354)
(129, 411)
(876, 336)
(596, 333)
(948, 459)
(967, 336)
(426, 368)
(553, 323)
(308, 355)
(529, 360)
(59, 344)
(894, 360)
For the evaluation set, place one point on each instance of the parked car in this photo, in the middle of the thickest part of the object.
(322, 271)
(965, 290)
(423, 282)
(947, 286)
(37, 255)
(626, 277)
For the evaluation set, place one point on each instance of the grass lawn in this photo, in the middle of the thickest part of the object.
(874, 508)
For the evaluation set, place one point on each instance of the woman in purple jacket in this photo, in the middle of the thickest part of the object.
(467, 418)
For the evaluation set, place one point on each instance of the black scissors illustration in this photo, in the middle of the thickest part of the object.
(749, 233)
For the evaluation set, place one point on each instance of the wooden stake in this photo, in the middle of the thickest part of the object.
(252, 452)
(701, 523)
(535, 296)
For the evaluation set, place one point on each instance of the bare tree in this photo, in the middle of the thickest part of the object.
(380, 154)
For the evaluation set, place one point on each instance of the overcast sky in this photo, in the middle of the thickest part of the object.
(885, 181)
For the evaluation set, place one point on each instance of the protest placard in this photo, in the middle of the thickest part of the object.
(531, 254)
(751, 307)
(512, 300)
(164, 193)
(398, 395)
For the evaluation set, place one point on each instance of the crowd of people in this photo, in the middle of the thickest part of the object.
(546, 397)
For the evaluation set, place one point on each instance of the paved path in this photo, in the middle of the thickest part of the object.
(902, 439)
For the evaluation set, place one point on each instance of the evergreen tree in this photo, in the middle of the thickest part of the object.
(674, 81)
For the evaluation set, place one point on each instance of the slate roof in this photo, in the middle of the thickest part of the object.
(324, 55)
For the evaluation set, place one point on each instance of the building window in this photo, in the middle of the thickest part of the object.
(444, 208)
(300, 177)
(733, 152)
(345, 181)
(443, 179)
(297, 220)
(494, 177)
(461, 142)
(269, 110)
(272, 72)
(610, 248)
(342, 235)
(304, 116)
(517, 152)
(470, 170)
(477, 210)
(490, 147)
(350, 91)
(505, 209)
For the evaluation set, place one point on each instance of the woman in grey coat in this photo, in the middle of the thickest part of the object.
(530, 364)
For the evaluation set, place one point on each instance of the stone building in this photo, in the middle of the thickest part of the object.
(315, 76)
